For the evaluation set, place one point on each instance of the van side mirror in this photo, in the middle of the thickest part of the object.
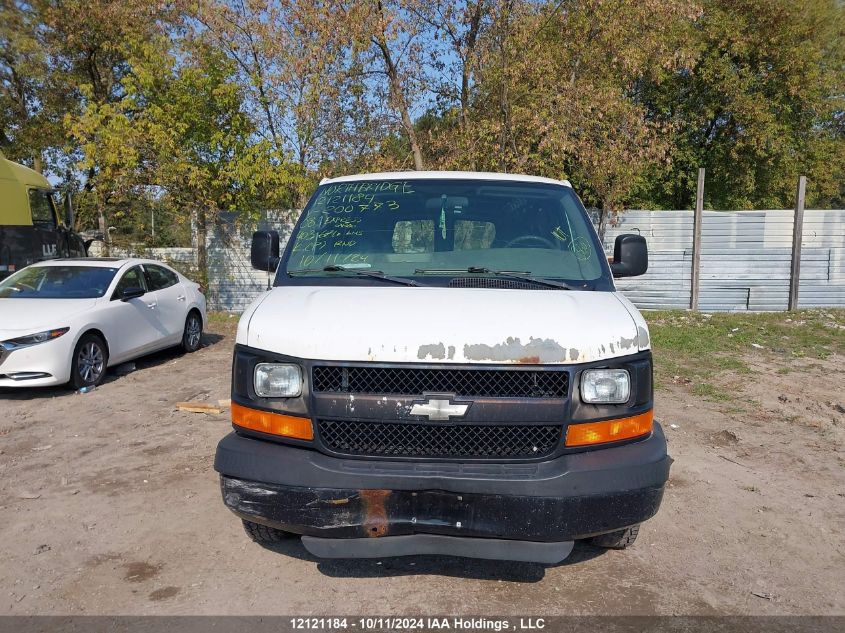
(67, 203)
(264, 253)
(630, 256)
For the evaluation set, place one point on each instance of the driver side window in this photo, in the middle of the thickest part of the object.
(41, 206)
(133, 278)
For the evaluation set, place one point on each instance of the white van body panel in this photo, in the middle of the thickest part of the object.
(443, 325)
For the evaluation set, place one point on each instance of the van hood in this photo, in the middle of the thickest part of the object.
(24, 316)
(445, 325)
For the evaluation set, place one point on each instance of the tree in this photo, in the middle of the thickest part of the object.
(294, 61)
(31, 105)
(558, 91)
(389, 44)
(761, 106)
(179, 134)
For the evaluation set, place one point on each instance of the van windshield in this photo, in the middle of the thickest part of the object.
(57, 282)
(431, 229)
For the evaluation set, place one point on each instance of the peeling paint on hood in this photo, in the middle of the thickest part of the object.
(514, 350)
(442, 325)
(643, 340)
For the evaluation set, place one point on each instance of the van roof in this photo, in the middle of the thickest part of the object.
(446, 175)
(15, 179)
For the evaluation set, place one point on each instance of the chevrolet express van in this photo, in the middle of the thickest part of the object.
(443, 366)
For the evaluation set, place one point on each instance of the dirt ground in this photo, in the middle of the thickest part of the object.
(110, 505)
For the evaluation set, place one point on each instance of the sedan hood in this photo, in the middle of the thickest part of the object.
(25, 316)
(447, 325)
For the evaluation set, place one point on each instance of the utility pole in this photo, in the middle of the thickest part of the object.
(696, 242)
(797, 234)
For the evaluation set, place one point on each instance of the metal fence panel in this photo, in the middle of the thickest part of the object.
(745, 259)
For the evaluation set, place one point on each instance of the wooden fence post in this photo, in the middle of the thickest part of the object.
(797, 234)
(696, 241)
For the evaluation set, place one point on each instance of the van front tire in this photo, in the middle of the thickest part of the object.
(616, 540)
(265, 535)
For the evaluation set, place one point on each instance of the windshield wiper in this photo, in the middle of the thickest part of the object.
(507, 274)
(373, 274)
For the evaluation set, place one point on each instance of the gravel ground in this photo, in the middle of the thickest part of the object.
(110, 505)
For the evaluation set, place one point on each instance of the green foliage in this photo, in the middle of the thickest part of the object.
(761, 105)
(180, 111)
(178, 136)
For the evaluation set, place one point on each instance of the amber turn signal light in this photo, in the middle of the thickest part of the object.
(609, 430)
(272, 423)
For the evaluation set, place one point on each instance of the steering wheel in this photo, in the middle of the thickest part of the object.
(530, 238)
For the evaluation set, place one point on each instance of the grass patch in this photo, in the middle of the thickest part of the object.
(709, 391)
(698, 349)
(810, 333)
(222, 317)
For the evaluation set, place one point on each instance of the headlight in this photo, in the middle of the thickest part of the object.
(33, 339)
(605, 386)
(276, 380)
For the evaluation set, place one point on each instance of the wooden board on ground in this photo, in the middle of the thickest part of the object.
(198, 407)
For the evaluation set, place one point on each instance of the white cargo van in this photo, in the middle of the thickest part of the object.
(444, 365)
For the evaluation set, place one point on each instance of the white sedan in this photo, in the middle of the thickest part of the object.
(67, 320)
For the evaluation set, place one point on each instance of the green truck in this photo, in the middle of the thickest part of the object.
(32, 228)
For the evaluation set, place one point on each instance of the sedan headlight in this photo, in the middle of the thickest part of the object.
(277, 380)
(33, 339)
(605, 386)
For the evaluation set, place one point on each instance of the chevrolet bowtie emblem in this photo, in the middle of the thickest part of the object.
(435, 409)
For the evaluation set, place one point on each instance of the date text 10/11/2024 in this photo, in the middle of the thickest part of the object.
(387, 623)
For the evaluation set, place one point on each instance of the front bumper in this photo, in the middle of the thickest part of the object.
(572, 497)
(38, 365)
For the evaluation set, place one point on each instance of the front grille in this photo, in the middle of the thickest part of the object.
(484, 383)
(408, 439)
(500, 284)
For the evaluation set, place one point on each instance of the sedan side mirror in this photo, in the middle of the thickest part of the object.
(264, 253)
(133, 292)
(630, 256)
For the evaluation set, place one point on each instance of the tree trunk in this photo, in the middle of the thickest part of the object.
(604, 218)
(466, 68)
(504, 106)
(201, 219)
(104, 227)
(412, 135)
(397, 96)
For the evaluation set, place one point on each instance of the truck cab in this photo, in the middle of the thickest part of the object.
(31, 227)
(443, 366)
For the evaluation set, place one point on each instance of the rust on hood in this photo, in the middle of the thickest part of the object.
(529, 360)
(374, 519)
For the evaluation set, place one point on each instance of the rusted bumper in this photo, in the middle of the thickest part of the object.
(579, 495)
(350, 513)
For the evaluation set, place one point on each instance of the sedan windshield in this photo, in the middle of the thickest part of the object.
(57, 282)
(443, 228)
